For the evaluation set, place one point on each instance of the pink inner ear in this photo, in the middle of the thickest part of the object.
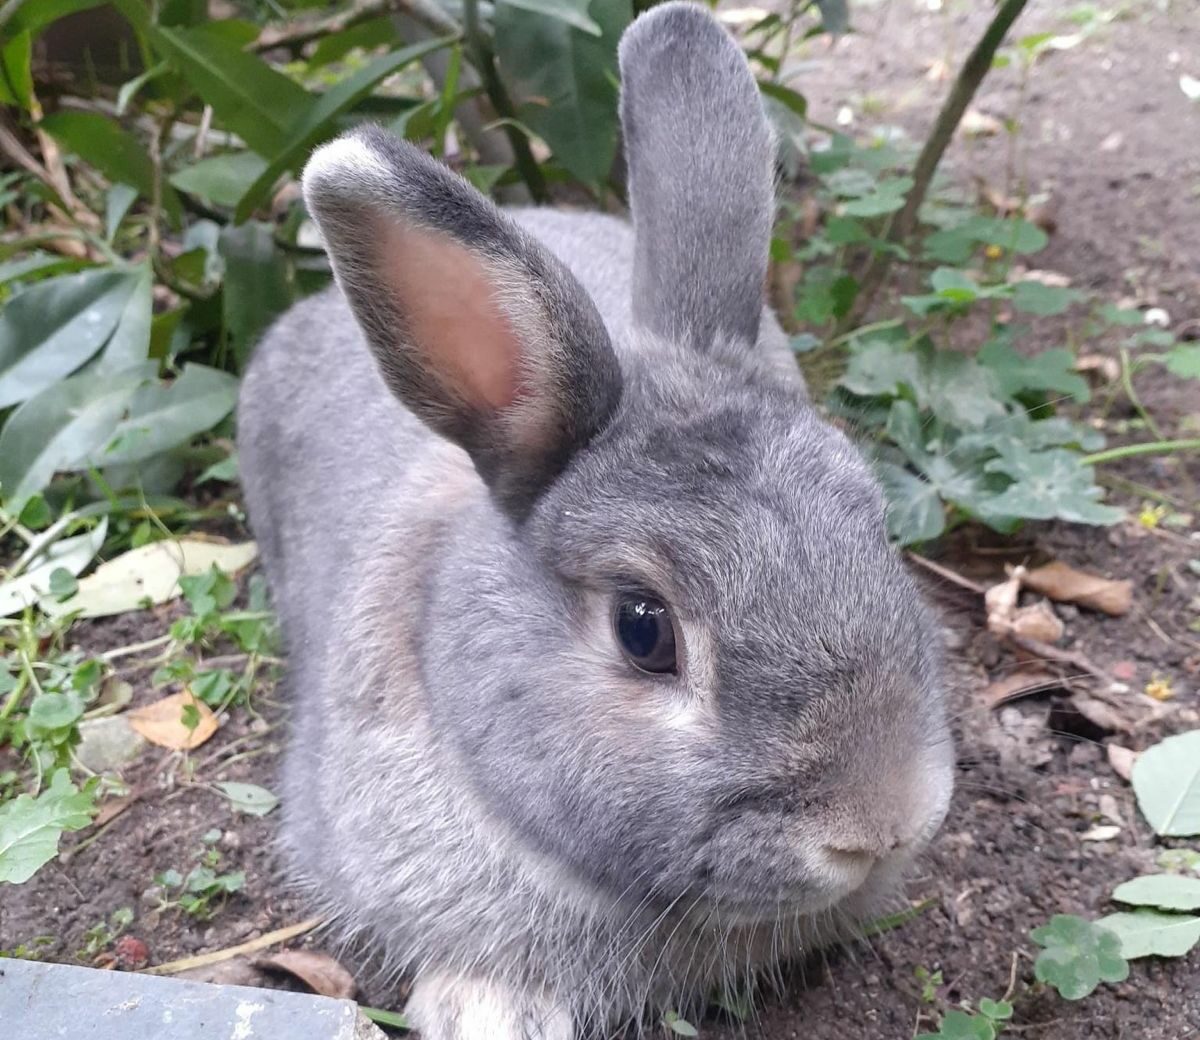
(448, 299)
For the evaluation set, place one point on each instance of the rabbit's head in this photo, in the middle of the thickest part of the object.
(671, 651)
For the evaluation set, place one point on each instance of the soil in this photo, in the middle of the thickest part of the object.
(1032, 776)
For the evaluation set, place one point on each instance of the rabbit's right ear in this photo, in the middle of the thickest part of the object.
(701, 177)
(475, 327)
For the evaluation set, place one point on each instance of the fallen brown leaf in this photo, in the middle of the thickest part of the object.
(1037, 621)
(1018, 684)
(1121, 759)
(320, 972)
(1101, 368)
(979, 124)
(162, 722)
(1067, 585)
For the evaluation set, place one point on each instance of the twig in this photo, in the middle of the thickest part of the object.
(947, 574)
(1059, 656)
(202, 960)
(970, 76)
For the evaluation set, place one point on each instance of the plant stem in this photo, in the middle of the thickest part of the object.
(1128, 451)
(970, 76)
(485, 64)
(1131, 393)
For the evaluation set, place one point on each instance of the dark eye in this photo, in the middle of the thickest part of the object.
(645, 631)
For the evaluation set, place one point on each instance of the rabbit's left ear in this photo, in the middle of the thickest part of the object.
(701, 177)
(475, 327)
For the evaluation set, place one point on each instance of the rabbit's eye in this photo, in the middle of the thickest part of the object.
(646, 632)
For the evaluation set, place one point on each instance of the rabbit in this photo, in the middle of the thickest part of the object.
(608, 686)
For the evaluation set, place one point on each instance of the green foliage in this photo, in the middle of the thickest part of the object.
(1166, 781)
(1077, 956)
(1147, 933)
(962, 1025)
(30, 827)
(1163, 891)
(202, 892)
(678, 1025)
(104, 933)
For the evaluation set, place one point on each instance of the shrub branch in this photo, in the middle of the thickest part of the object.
(970, 76)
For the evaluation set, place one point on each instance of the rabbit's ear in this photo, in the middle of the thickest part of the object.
(475, 327)
(701, 178)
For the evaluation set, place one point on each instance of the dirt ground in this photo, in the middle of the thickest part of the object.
(1109, 133)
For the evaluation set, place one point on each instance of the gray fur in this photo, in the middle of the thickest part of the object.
(478, 785)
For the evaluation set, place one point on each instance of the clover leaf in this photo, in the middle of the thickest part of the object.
(1077, 956)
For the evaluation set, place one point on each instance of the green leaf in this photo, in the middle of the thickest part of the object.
(53, 712)
(786, 96)
(318, 122)
(129, 343)
(16, 83)
(116, 207)
(102, 142)
(226, 470)
(1036, 298)
(369, 35)
(959, 390)
(31, 827)
(1184, 361)
(60, 427)
(249, 798)
(221, 179)
(1077, 956)
(248, 95)
(34, 15)
(130, 87)
(880, 368)
(1051, 371)
(959, 1025)
(1178, 861)
(996, 1010)
(1166, 780)
(1148, 933)
(50, 329)
(259, 284)
(835, 15)
(678, 1025)
(1164, 891)
(1047, 485)
(70, 555)
(162, 416)
(915, 512)
(62, 583)
(564, 82)
(572, 12)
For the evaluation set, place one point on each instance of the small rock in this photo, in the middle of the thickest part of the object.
(107, 743)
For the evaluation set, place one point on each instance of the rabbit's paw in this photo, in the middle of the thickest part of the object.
(455, 1007)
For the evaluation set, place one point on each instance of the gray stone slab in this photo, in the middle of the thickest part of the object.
(50, 1001)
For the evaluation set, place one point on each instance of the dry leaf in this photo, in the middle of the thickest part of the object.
(1101, 368)
(1019, 684)
(1067, 585)
(1110, 810)
(162, 722)
(1001, 602)
(1121, 759)
(1038, 621)
(1116, 708)
(979, 124)
(1056, 279)
(149, 574)
(320, 972)
(1103, 832)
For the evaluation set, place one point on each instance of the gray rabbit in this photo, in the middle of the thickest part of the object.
(608, 686)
